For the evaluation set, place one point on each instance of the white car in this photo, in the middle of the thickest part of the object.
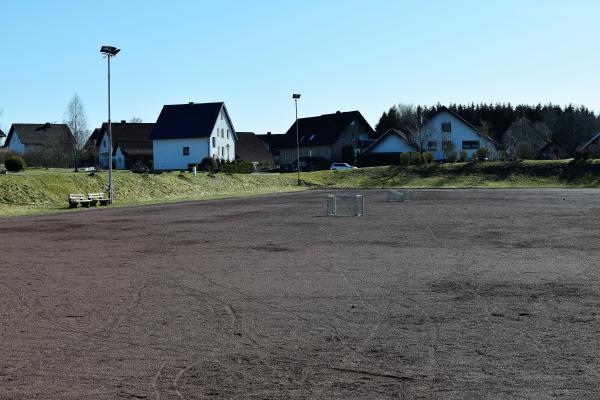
(341, 167)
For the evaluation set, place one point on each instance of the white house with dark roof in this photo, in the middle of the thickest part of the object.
(185, 134)
(133, 141)
(2, 138)
(446, 130)
(23, 138)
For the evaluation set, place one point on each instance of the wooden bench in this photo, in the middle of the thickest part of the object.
(78, 199)
(98, 198)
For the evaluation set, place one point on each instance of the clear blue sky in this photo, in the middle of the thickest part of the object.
(341, 55)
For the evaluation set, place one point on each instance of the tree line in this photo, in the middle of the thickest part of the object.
(508, 125)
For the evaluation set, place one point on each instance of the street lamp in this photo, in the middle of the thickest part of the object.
(108, 52)
(228, 159)
(296, 96)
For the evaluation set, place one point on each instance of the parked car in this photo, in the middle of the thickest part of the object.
(341, 167)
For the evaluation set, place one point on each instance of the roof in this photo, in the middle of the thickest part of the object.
(589, 142)
(192, 120)
(41, 133)
(325, 129)
(402, 135)
(2, 134)
(136, 149)
(123, 132)
(250, 148)
(274, 141)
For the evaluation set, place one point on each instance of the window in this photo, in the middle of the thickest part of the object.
(432, 145)
(470, 144)
(446, 127)
(186, 151)
(222, 151)
(221, 114)
(223, 133)
(214, 142)
(227, 133)
(104, 143)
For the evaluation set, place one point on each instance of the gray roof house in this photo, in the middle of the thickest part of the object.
(23, 138)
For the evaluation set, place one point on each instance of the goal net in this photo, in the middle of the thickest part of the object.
(398, 195)
(345, 205)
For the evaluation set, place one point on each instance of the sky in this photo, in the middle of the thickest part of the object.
(339, 54)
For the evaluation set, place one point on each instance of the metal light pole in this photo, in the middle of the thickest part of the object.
(109, 51)
(296, 96)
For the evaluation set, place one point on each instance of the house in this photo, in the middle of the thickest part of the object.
(274, 144)
(2, 138)
(185, 134)
(27, 138)
(129, 155)
(133, 141)
(327, 136)
(552, 151)
(445, 131)
(591, 147)
(393, 141)
(250, 148)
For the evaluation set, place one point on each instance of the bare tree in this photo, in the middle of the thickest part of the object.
(76, 120)
(134, 120)
(419, 131)
(523, 131)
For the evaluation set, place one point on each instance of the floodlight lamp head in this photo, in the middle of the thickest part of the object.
(296, 96)
(109, 50)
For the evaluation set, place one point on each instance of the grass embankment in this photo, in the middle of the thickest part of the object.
(491, 174)
(42, 191)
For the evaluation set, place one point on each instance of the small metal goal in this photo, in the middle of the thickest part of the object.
(345, 205)
(398, 195)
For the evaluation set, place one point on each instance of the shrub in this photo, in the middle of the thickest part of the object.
(348, 154)
(577, 156)
(237, 167)
(481, 154)
(462, 156)
(14, 164)
(523, 151)
(208, 164)
(585, 155)
(451, 156)
(428, 157)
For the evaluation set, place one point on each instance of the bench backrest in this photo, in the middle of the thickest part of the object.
(76, 197)
(96, 196)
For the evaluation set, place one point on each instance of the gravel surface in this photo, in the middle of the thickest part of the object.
(456, 294)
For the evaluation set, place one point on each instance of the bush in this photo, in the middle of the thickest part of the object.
(462, 156)
(481, 154)
(208, 164)
(428, 157)
(236, 167)
(523, 151)
(348, 154)
(14, 164)
(451, 156)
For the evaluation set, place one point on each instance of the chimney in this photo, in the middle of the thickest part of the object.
(268, 133)
(191, 103)
(123, 121)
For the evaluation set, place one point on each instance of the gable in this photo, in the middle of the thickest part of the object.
(390, 142)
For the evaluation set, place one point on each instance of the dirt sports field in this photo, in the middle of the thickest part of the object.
(457, 294)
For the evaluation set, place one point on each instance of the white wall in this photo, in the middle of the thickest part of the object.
(392, 143)
(15, 144)
(119, 159)
(103, 151)
(221, 140)
(168, 153)
(459, 133)
(2, 140)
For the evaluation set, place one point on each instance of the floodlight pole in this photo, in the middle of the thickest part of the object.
(110, 145)
(109, 51)
(296, 97)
